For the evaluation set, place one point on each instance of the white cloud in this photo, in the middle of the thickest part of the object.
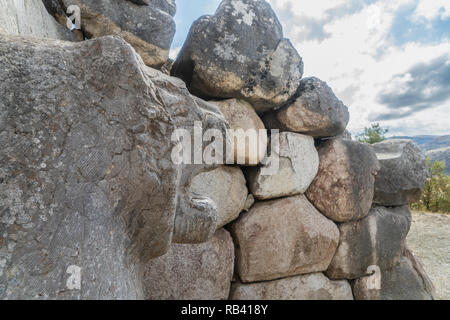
(358, 62)
(431, 9)
(315, 9)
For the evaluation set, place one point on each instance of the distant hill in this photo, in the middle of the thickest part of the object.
(436, 147)
(441, 155)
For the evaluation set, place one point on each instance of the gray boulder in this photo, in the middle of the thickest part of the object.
(313, 286)
(345, 135)
(192, 272)
(226, 187)
(343, 188)
(239, 52)
(298, 166)
(30, 18)
(316, 111)
(377, 240)
(281, 238)
(402, 175)
(88, 190)
(418, 267)
(403, 282)
(165, 5)
(149, 27)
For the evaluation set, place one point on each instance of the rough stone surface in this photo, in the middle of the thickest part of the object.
(345, 135)
(418, 267)
(343, 188)
(298, 166)
(403, 172)
(240, 53)
(403, 282)
(377, 240)
(282, 238)
(249, 202)
(196, 218)
(168, 6)
(30, 18)
(86, 178)
(148, 28)
(241, 116)
(226, 187)
(314, 286)
(316, 111)
(192, 272)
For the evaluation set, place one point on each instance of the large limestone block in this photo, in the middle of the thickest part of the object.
(148, 26)
(239, 52)
(343, 188)
(30, 18)
(282, 238)
(375, 241)
(403, 172)
(314, 286)
(241, 116)
(298, 166)
(316, 111)
(88, 190)
(406, 281)
(192, 271)
(226, 187)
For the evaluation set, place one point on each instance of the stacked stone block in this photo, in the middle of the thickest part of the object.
(330, 223)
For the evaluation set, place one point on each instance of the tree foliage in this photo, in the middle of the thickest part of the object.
(436, 195)
(374, 134)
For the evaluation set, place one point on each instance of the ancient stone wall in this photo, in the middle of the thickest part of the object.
(92, 205)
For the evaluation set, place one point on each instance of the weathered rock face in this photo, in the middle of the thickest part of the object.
(168, 6)
(192, 272)
(249, 202)
(402, 175)
(343, 188)
(316, 111)
(418, 267)
(196, 218)
(87, 185)
(113, 186)
(307, 287)
(196, 215)
(240, 53)
(345, 135)
(282, 238)
(377, 240)
(298, 166)
(226, 187)
(403, 282)
(30, 18)
(147, 25)
(241, 116)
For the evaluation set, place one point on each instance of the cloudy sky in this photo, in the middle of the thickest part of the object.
(388, 61)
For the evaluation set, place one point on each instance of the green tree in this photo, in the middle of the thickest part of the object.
(436, 194)
(374, 134)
